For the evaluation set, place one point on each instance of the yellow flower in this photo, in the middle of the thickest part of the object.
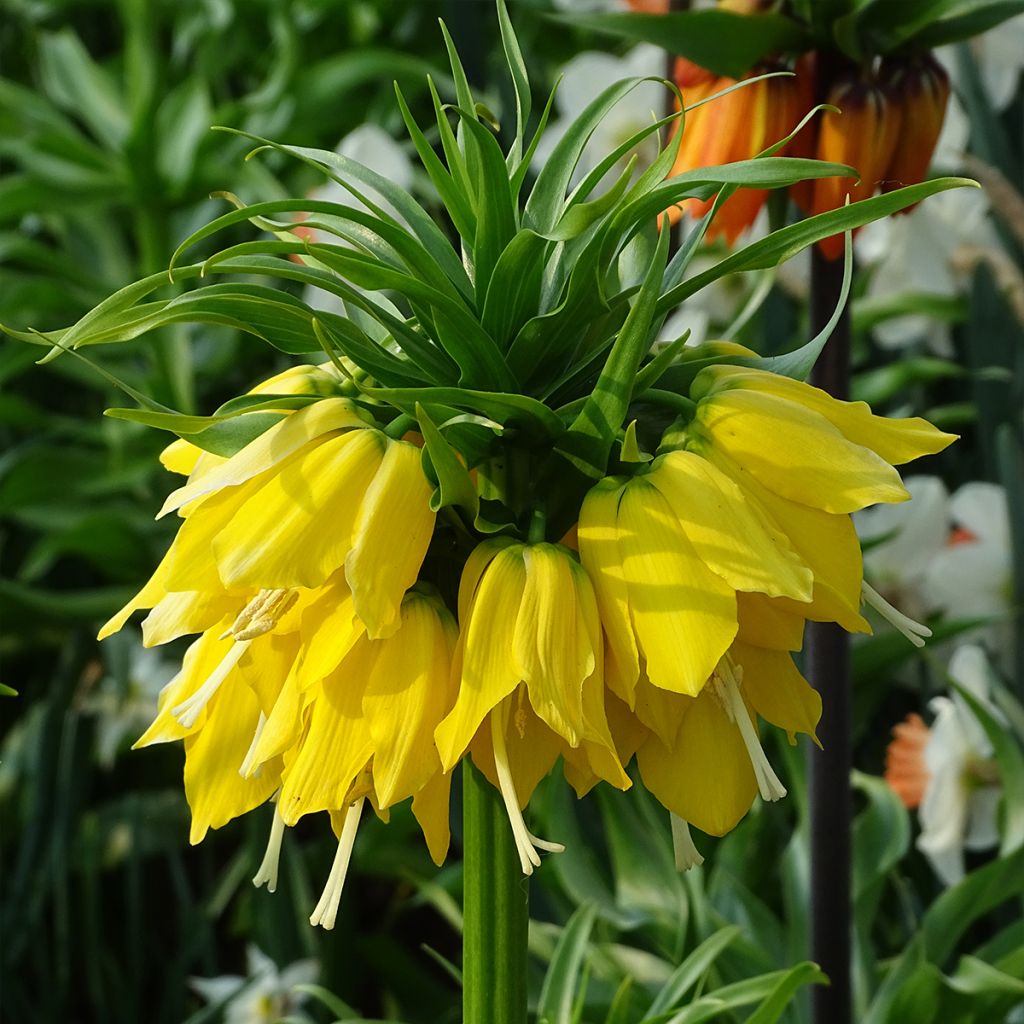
(319, 491)
(705, 763)
(806, 460)
(667, 551)
(530, 662)
(291, 697)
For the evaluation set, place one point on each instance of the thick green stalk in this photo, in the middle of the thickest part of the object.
(496, 903)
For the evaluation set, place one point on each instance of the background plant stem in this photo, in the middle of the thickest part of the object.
(828, 670)
(496, 903)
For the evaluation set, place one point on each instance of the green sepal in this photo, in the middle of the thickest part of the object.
(441, 463)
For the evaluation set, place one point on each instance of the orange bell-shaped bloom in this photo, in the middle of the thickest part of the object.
(919, 89)
(863, 135)
(737, 126)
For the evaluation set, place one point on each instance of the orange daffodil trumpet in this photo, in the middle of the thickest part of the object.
(499, 524)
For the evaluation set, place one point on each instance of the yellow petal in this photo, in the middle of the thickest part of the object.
(180, 457)
(895, 440)
(764, 622)
(598, 539)
(530, 745)
(200, 661)
(489, 670)
(660, 711)
(684, 615)
(706, 779)
(553, 654)
(296, 528)
(283, 727)
(330, 629)
(391, 535)
(827, 543)
(728, 534)
(272, 447)
(337, 745)
(777, 692)
(183, 612)
(407, 695)
(472, 572)
(215, 790)
(265, 666)
(795, 452)
(430, 807)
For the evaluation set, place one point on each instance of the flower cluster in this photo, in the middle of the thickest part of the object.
(328, 669)
(888, 115)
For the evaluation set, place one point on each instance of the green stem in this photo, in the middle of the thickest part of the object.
(496, 902)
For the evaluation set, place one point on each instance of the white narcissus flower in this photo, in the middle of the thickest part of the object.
(920, 253)
(907, 538)
(945, 554)
(971, 576)
(264, 995)
(947, 771)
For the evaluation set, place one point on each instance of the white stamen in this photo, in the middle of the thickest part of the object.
(768, 783)
(686, 853)
(327, 909)
(247, 769)
(267, 872)
(914, 631)
(527, 844)
(189, 710)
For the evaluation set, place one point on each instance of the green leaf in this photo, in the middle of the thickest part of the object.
(511, 410)
(544, 207)
(557, 996)
(456, 202)
(725, 43)
(964, 19)
(881, 837)
(454, 484)
(520, 81)
(7, 691)
(496, 211)
(782, 994)
(766, 989)
(182, 122)
(344, 170)
(590, 438)
(693, 969)
(514, 292)
(788, 241)
(75, 82)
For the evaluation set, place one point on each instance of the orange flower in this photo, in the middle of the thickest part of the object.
(864, 136)
(734, 127)
(905, 768)
(919, 89)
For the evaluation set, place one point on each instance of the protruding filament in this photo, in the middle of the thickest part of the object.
(527, 844)
(686, 853)
(189, 710)
(768, 783)
(267, 873)
(914, 631)
(248, 769)
(327, 909)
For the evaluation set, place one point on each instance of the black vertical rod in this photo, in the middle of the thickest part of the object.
(828, 670)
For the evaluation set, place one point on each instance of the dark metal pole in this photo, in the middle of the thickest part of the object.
(828, 669)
